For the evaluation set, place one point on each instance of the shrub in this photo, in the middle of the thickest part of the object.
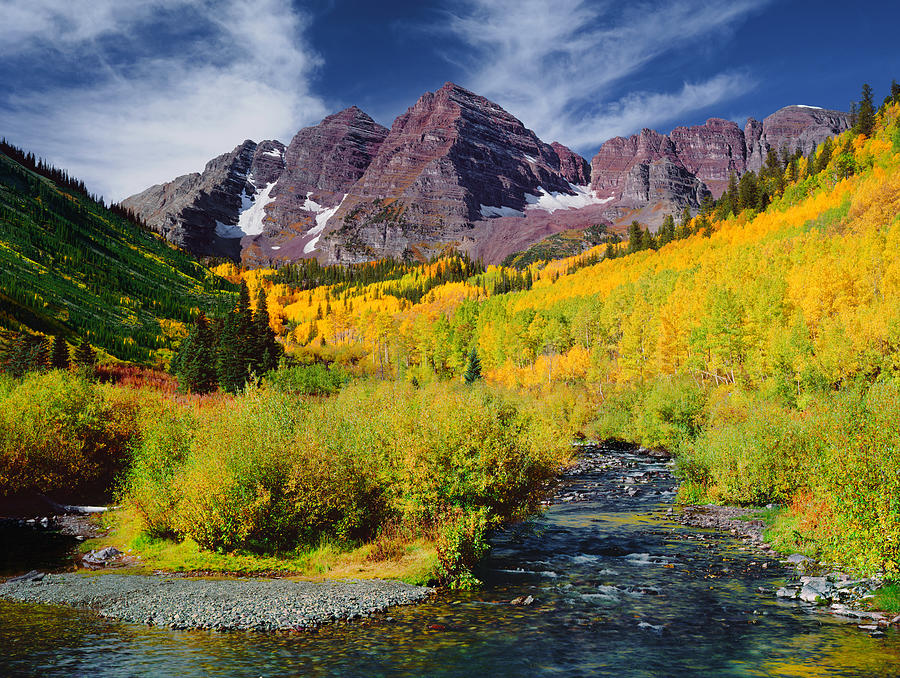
(660, 414)
(761, 459)
(316, 379)
(62, 434)
(270, 471)
(463, 543)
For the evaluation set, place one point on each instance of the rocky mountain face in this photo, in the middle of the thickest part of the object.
(455, 170)
(453, 159)
(668, 172)
(574, 169)
(199, 212)
(792, 127)
(248, 203)
(321, 164)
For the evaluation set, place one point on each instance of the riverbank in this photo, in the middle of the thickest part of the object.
(220, 605)
(824, 585)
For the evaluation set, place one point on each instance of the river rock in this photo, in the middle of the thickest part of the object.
(101, 556)
(34, 575)
(523, 601)
(817, 590)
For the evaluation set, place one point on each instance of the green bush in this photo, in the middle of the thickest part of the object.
(63, 435)
(660, 414)
(463, 543)
(762, 459)
(271, 472)
(835, 463)
(316, 379)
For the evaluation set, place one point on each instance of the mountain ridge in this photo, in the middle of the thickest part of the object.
(455, 171)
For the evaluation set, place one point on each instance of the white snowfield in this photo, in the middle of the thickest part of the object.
(250, 220)
(323, 214)
(251, 216)
(550, 202)
(547, 202)
(818, 108)
(275, 153)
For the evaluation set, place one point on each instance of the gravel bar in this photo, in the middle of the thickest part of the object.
(221, 605)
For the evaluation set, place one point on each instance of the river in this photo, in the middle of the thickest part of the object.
(620, 589)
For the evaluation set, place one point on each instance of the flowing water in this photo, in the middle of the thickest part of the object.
(620, 590)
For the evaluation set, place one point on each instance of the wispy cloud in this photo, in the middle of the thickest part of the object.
(558, 65)
(241, 71)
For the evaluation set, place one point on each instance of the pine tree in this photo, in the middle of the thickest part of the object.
(196, 369)
(85, 357)
(823, 158)
(635, 237)
(231, 368)
(264, 350)
(473, 367)
(684, 225)
(748, 191)
(666, 233)
(865, 119)
(59, 354)
(731, 193)
(895, 91)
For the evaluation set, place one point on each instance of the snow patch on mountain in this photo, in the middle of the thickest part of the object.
(818, 108)
(250, 220)
(323, 214)
(552, 201)
(251, 214)
(491, 212)
(275, 153)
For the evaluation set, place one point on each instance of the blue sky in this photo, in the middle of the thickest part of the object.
(128, 94)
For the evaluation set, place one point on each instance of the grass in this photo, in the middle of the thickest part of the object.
(412, 562)
(887, 598)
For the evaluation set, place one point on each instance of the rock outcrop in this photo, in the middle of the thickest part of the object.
(792, 127)
(574, 169)
(262, 198)
(321, 164)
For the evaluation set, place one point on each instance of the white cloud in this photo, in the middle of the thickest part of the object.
(244, 74)
(556, 65)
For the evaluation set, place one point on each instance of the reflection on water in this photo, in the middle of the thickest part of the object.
(620, 590)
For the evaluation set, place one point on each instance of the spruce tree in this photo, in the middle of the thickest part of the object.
(59, 354)
(684, 226)
(231, 368)
(84, 355)
(865, 118)
(473, 367)
(265, 350)
(635, 237)
(823, 158)
(732, 193)
(196, 369)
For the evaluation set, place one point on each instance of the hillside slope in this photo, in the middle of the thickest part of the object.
(70, 266)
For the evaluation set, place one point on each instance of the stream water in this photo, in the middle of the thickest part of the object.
(620, 590)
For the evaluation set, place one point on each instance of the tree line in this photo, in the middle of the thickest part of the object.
(22, 352)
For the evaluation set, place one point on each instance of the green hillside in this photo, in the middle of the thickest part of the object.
(71, 266)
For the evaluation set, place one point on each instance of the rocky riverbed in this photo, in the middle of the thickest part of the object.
(221, 605)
